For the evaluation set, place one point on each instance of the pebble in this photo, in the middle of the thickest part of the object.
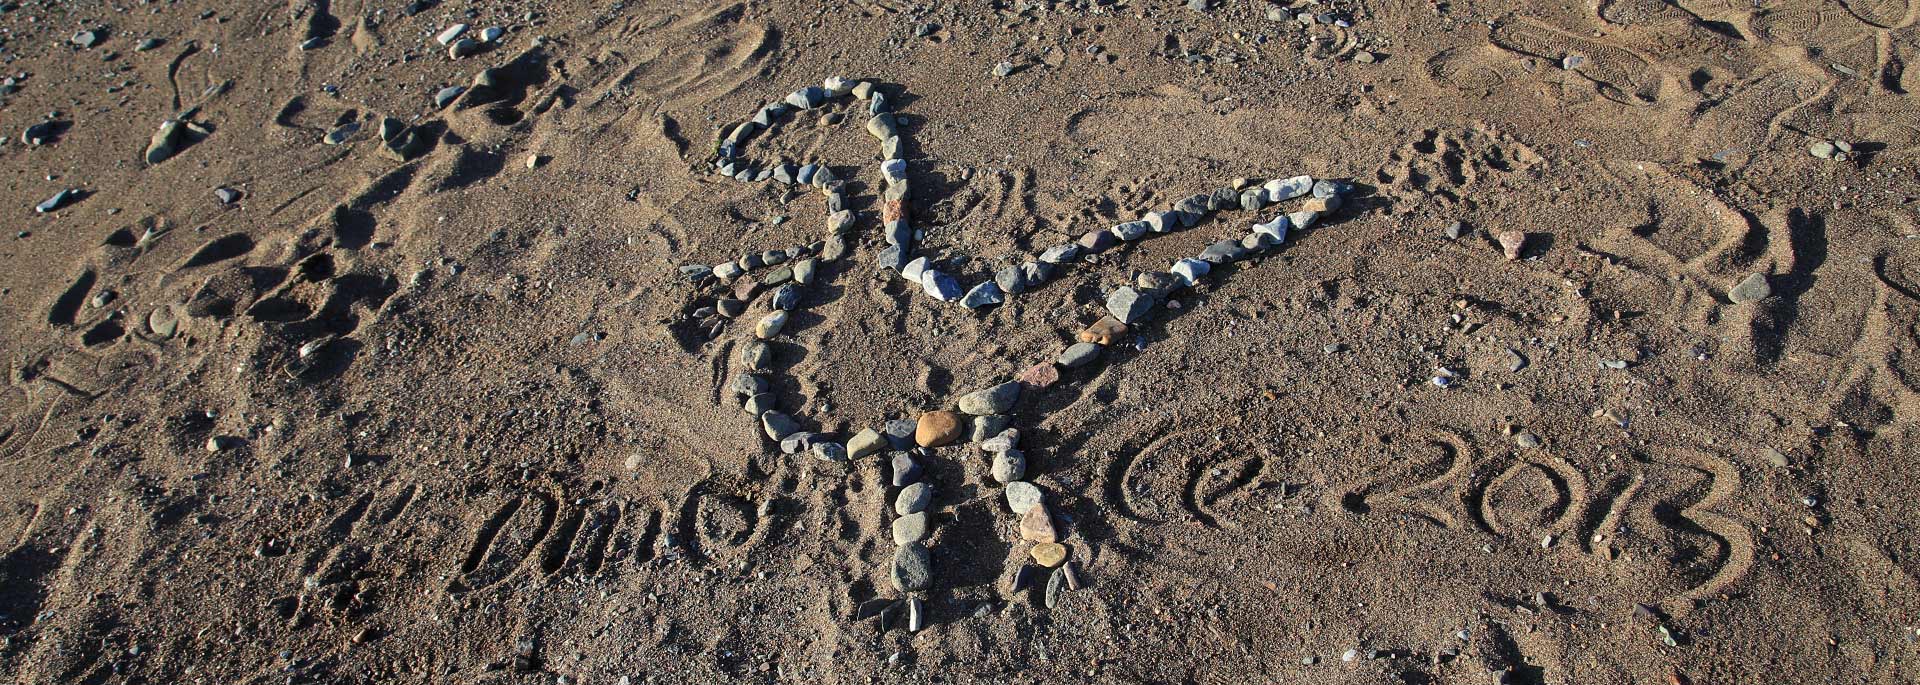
(1009, 466)
(829, 451)
(1751, 289)
(937, 429)
(985, 294)
(1223, 252)
(905, 470)
(1006, 440)
(913, 499)
(807, 98)
(1049, 554)
(1512, 242)
(492, 34)
(778, 425)
(1277, 228)
(1155, 282)
(163, 322)
(1456, 230)
(1037, 525)
(1190, 271)
(800, 442)
(882, 125)
(940, 286)
(1065, 252)
(900, 433)
(451, 34)
(914, 269)
(910, 528)
(1131, 231)
(1078, 354)
(1105, 331)
(59, 199)
(760, 403)
(1823, 149)
(786, 298)
(1003, 69)
(1097, 241)
(998, 399)
(1041, 375)
(1056, 586)
(985, 427)
(866, 443)
(1021, 496)
(770, 325)
(1129, 306)
(39, 134)
(729, 307)
(747, 384)
(148, 44)
(1283, 189)
(86, 39)
(1303, 218)
(464, 47)
(1777, 458)
(912, 568)
(1526, 440)
(447, 95)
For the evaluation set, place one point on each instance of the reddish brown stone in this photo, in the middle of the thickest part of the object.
(1037, 525)
(1040, 375)
(1105, 331)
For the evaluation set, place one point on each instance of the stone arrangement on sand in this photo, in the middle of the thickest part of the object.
(983, 417)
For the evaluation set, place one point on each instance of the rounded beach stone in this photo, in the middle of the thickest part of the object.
(910, 528)
(1049, 554)
(1022, 496)
(913, 499)
(1009, 465)
(937, 429)
(998, 399)
(1037, 525)
(913, 568)
(868, 442)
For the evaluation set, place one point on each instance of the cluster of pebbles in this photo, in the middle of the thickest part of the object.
(983, 417)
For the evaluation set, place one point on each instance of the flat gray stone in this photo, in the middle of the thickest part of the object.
(913, 499)
(1078, 354)
(998, 399)
(940, 286)
(1064, 252)
(986, 427)
(829, 451)
(910, 528)
(905, 470)
(778, 425)
(1022, 496)
(1751, 289)
(985, 294)
(1129, 305)
(866, 443)
(1009, 466)
(912, 568)
(899, 433)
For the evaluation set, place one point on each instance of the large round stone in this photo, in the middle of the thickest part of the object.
(937, 429)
